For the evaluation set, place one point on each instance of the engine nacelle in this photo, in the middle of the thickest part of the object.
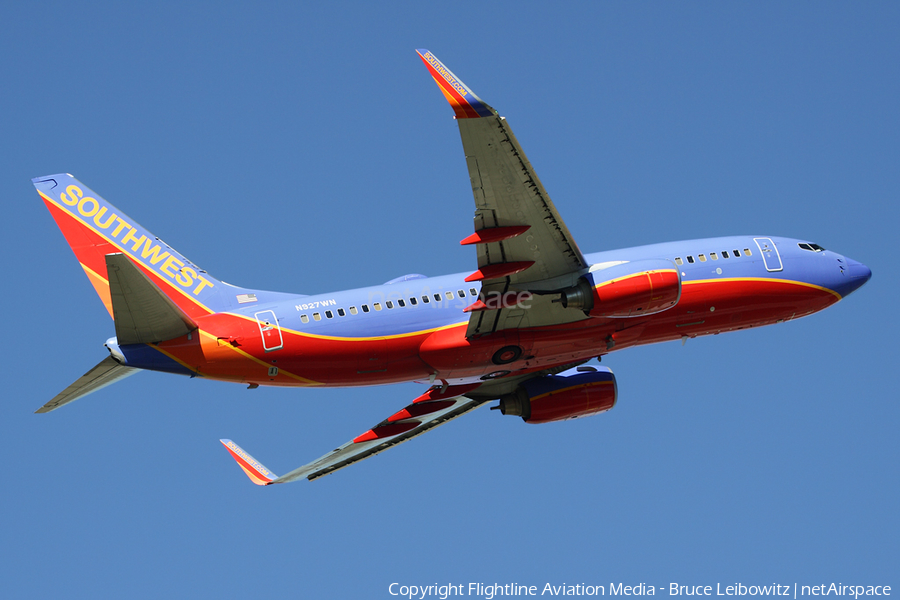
(569, 395)
(632, 289)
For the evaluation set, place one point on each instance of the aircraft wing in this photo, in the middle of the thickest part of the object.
(521, 240)
(429, 410)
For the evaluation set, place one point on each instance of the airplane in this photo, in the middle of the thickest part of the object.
(518, 330)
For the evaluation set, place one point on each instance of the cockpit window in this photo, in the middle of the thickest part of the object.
(811, 247)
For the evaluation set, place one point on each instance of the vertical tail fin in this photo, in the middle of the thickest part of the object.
(94, 228)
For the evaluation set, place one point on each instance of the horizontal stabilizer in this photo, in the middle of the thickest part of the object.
(142, 312)
(254, 469)
(107, 372)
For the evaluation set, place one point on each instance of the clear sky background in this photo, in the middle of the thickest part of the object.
(303, 147)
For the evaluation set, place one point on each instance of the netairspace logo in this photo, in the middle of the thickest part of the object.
(490, 591)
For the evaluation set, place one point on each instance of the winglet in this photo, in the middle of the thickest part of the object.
(254, 469)
(465, 103)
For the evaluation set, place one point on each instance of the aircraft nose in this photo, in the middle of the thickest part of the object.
(857, 274)
(859, 270)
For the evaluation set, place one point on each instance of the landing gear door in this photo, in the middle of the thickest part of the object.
(269, 330)
(769, 253)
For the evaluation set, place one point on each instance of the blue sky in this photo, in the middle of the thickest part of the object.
(304, 148)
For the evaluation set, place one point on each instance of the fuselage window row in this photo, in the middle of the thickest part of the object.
(413, 301)
(401, 302)
(713, 256)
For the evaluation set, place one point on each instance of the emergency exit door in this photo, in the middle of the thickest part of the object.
(769, 253)
(269, 330)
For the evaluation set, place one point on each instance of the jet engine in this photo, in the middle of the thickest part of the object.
(631, 289)
(572, 394)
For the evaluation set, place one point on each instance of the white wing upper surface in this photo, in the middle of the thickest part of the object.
(522, 242)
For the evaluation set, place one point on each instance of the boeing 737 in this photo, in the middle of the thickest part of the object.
(517, 330)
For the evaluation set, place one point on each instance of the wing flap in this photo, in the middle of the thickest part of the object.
(436, 407)
(508, 193)
(381, 437)
(143, 314)
(105, 373)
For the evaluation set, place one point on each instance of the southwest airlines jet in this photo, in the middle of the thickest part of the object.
(517, 330)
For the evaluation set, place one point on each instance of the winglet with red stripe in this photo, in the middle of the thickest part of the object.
(254, 469)
(465, 103)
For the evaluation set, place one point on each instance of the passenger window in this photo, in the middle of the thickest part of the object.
(425, 299)
(725, 254)
(437, 297)
(714, 256)
(365, 307)
(472, 292)
(353, 310)
(341, 312)
(678, 261)
(317, 316)
(691, 259)
(460, 293)
(736, 253)
(747, 252)
(401, 302)
(329, 314)
(413, 301)
(304, 319)
(448, 295)
(389, 304)
(376, 305)
(702, 257)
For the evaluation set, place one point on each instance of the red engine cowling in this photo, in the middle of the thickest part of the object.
(562, 397)
(632, 289)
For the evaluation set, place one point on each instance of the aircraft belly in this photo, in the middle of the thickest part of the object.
(148, 357)
(705, 308)
(453, 355)
(716, 306)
